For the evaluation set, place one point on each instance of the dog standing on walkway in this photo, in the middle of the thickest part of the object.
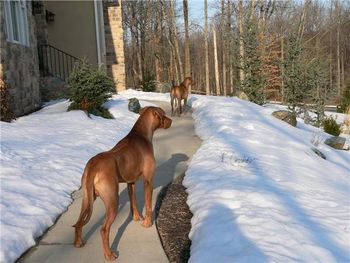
(179, 93)
(126, 162)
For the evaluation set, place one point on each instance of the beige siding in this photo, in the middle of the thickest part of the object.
(73, 30)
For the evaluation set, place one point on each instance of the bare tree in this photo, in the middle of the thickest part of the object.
(187, 42)
(175, 38)
(216, 71)
(206, 50)
(241, 42)
(223, 47)
(339, 90)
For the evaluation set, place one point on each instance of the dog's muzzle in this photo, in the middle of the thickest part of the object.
(167, 122)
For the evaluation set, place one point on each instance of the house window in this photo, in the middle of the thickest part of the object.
(16, 21)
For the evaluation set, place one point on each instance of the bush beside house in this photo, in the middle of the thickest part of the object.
(89, 89)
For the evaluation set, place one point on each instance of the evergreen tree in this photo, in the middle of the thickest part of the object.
(293, 77)
(345, 104)
(316, 82)
(305, 79)
(255, 79)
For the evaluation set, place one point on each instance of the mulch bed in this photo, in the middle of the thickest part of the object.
(173, 221)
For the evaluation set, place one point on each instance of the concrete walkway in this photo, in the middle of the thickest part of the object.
(133, 243)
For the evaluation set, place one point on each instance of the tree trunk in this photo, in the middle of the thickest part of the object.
(229, 49)
(139, 60)
(217, 83)
(301, 26)
(338, 49)
(241, 43)
(176, 69)
(282, 68)
(223, 47)
(175, 38)
(330, 50)
(157, 37)
(342, 71)
(206, 47)
(187, 42)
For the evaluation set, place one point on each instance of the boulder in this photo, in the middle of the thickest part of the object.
(241, 95)
(336, 142)
(134, 105)
(286, 116)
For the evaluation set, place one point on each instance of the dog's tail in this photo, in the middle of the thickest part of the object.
(88, 199)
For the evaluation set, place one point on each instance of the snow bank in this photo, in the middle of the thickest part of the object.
(257, 191)
(155, 96)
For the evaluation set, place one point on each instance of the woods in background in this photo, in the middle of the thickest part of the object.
(291, 51)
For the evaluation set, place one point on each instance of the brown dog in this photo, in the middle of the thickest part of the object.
(126, 162)
(178, 93)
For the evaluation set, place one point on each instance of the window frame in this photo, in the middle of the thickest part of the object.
(21, 20)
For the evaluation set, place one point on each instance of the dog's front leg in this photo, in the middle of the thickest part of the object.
(148, 188)
(133, 203)
(185, 105)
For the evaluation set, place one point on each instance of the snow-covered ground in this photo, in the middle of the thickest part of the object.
(257, 191)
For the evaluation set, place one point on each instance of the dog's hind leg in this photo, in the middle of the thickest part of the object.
(86, 208)
(133, 203)
(110, 198)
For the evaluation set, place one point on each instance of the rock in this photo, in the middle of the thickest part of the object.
(319, 153)
(286, 116)
(336, 142)
(134, 105)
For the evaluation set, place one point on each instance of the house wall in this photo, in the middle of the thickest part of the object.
(19, 67)
(114, 42)
(73, 30)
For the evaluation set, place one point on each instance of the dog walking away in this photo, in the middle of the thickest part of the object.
(126, 162)
(179, 93)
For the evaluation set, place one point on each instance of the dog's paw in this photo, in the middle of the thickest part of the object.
(79, 243)
(110, 256)
(137, 217)
(146, 223)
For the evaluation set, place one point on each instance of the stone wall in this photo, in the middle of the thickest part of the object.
(41, 25)
(20, 68)
(114, 43)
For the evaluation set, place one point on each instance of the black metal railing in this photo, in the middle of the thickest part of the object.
(55, 62)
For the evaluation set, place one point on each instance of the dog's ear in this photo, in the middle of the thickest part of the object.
(160, 116)
(141, 111)
(160, 109)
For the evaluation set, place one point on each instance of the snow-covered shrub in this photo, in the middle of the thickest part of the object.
(331, 126)
(148, 83)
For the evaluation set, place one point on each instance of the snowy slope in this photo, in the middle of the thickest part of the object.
(259, 194)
